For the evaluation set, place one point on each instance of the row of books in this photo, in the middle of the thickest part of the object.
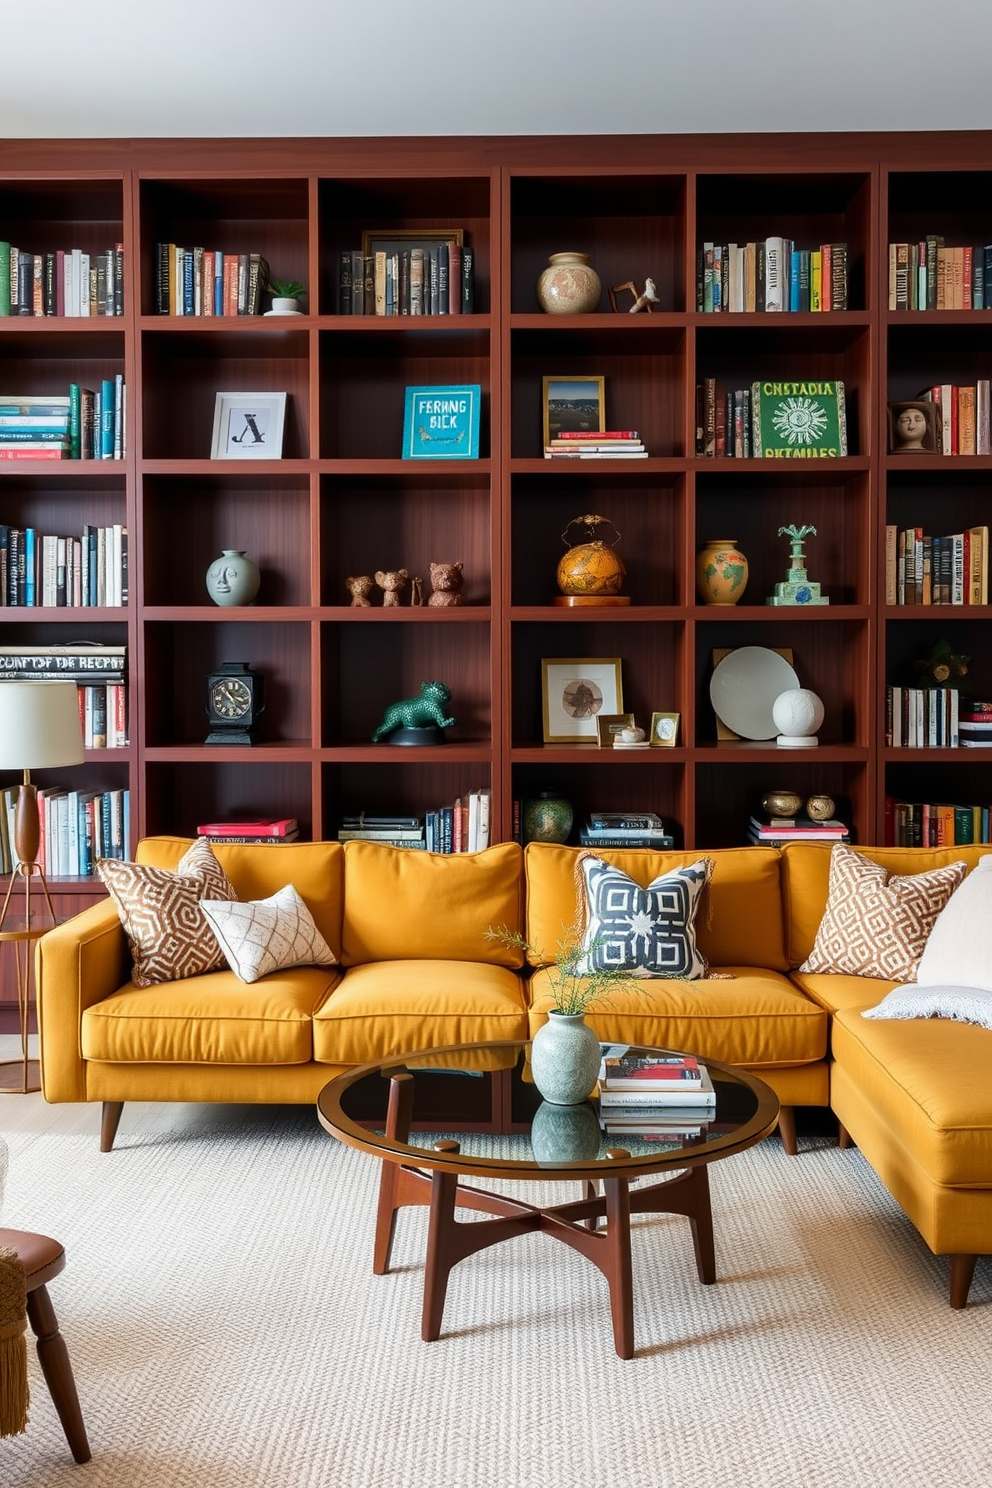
(63, 281)
(924, 569)
(464, 826)
(927, 275)
(922, 717)
(618, 829)
(83, 424)
(772, 831)
(271, 829)
(803, 420)
(611, 444)
(771, 275)
(410, 281)
(935, 824)
(205, 281)
(76, 829)
(39, 568)
(963, 422)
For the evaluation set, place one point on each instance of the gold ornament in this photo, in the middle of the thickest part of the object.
(781, 803)
(820, 808)
(592, 568)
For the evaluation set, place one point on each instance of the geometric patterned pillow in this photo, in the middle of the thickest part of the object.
(266, 935)
(647, 932)
(875, 925)
(160, 910)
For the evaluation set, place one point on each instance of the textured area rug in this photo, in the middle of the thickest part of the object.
(226, 1330)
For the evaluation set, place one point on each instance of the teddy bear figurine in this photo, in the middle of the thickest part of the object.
(392, 583)
(360, 588)
(446, 584)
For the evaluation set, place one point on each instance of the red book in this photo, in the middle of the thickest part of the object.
(595, 437)
(259, 828)
(641, 1071)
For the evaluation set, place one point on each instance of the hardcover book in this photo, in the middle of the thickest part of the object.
(799, 420)
(442, 423)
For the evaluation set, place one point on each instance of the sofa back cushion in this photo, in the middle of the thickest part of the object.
(401, 905)
(739, 921)
(258, 870)
(806, 881)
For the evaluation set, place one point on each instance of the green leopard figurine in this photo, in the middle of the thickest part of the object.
(417, 712)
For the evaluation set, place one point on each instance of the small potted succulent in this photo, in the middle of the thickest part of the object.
(286, 295)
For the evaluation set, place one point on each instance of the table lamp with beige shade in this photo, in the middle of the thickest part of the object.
(39, 730)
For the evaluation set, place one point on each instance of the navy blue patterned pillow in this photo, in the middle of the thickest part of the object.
(647, 932)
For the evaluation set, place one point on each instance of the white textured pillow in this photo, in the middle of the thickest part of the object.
(965, 1004)
(958, 952)
(265, 935)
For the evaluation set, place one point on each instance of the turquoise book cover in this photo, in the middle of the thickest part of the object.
(442, 423)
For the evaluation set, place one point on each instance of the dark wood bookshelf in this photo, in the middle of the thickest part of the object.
(342, 501)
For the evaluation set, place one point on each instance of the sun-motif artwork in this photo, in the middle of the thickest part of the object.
(800, 420)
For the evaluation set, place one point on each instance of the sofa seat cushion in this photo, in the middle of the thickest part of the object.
(393, 1007)
(833, 990)
(756, 1018)
(212, 1019)
(928, 1080)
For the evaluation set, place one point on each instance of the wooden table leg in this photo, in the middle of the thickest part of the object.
(398, 1116)
(618, 1265)
(441, 1255)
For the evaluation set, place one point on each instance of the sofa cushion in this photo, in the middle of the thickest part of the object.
(966, 1004)
(876, 923)
(928, 1081)
(384, 1008)
(649, 931)
(832, 991)
(740, 917)
(756, 1018)
(401, 905)
(212, 1019)
(258, 869)
(160, 910)
(806, 879)
(958, 951)
(259, 936)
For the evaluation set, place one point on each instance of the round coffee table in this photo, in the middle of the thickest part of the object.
(559, 1142)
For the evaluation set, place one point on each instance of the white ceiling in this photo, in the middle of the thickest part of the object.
(454, 67)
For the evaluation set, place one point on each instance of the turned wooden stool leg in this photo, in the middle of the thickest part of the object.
(54, 1358)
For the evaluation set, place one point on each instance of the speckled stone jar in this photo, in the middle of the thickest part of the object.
(564, 1059)
(569, 285)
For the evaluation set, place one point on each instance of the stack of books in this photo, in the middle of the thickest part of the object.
(256, 829)
(608, 444)
(393, 831)
(652, 1093)
(773, 831)
(975, 724)
(34, 427)
(624, 829)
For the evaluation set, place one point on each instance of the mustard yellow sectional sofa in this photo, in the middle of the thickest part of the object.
(415, 970)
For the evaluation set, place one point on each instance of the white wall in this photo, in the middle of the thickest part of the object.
(350, 67)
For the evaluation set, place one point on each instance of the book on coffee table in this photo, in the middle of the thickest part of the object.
(644, 1071)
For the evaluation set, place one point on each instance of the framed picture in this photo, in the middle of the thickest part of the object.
(573, 405)
(575, 691)
(664, 730)
(248, 426)
(914, 428)
(403, 278)
(608, 725)
(442, 423)
(402, 239)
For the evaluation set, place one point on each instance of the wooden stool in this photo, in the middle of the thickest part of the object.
(43, 1259)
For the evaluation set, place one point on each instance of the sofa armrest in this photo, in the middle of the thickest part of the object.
(77, 964)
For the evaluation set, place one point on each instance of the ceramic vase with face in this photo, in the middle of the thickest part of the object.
(232, 579)
(564, 1059)
(569, 285)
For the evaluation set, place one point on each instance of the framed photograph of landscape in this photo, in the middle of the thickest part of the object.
(248, 426)
(664, 730)
(575, 691)
(573, 405)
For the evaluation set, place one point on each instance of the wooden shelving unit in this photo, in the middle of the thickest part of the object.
(341, 500)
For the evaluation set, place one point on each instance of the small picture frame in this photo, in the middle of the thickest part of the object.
(575, 691)
(914, 427)
(664, 730)
(442, 423)
(248, 426)
(573, 405)
(608, 725)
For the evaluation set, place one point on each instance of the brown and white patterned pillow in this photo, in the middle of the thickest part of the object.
(160, 910)
(876, 925)
(263, 935)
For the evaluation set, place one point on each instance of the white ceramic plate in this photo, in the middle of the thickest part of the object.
(744, 687)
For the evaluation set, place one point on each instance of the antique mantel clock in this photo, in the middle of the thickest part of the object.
(234, 702)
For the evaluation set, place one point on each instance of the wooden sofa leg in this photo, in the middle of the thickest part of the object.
(844, 1138)
(962, 1270)
(111, 1120)
(54, 1359)
(787, 1129)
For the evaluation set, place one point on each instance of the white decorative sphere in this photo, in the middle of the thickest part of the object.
(797, 713)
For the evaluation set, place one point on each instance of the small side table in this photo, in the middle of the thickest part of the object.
(22, 1076)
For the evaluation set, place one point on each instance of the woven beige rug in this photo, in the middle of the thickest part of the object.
(226, 1331)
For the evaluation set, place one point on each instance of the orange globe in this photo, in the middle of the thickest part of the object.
(591, 568)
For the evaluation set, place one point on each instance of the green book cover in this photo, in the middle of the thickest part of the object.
(75, 420)
(799, 420)
(4, 278)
